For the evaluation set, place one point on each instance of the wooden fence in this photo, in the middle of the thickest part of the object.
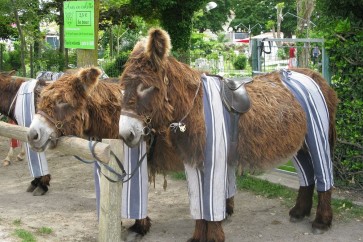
(110, 193)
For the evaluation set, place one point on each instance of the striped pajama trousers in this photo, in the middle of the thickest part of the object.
(134, 191)
(24, 112)
(315, 165)
(209, 187)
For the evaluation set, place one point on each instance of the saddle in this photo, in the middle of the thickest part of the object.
(234, 94)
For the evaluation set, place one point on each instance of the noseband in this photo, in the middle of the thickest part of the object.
(57, 124)
(146, 119)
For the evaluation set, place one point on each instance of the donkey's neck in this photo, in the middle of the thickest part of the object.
(9, 87)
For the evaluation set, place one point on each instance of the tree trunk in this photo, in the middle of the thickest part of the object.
(304, 11)
(21, 36)
(89, 57)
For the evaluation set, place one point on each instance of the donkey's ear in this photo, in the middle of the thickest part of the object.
(89, 77)
(158, 46)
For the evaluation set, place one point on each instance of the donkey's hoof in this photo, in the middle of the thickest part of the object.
(31, 188)
(19, 158)
(296, 219)
(317, 231)
(141, 226)
(6, 162)
(39, 191)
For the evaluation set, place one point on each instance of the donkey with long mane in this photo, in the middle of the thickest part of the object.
(83, 106)
(9, 88)
(282, 115)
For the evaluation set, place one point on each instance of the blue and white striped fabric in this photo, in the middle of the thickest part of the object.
(134, 191)
(209, 188)
(316, 164)
(24, 112)
(49, 75)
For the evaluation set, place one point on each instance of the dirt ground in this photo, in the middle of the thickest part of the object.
(69, 209)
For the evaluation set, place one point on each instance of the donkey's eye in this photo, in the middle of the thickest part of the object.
(63, 105)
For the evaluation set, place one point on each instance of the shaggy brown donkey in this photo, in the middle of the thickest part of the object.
(292, 114)
(86, 107)
(9, 86)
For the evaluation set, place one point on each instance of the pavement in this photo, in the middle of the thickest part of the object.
(290, 179)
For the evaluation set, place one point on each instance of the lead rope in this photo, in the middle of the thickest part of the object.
(120, 177)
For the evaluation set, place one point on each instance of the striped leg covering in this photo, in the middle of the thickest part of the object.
(24, 112)
(209, 187)
(316, 165)
(134, 191)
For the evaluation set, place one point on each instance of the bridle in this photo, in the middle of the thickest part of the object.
(57, 124)
(147, 129)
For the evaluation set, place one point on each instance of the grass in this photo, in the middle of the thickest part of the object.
(343, 208)
(26, 236)
(44, 230)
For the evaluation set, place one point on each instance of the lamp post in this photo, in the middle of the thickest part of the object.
(210, 6)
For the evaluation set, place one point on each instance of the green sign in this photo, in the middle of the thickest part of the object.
(79, 31)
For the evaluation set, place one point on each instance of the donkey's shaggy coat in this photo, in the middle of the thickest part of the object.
(167, 92)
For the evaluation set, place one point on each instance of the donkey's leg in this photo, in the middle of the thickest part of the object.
(230, 206)
(304, 168)
(21, 155)
(42, 186)
(324, 213)
(231, 189)
(200, 231)
(303, 205)
(215, 231)
(7, 159)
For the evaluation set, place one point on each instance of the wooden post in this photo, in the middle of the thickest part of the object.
(110, 198)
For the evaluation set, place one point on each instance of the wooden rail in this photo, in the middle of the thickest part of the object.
(66, 145)
(109, 228)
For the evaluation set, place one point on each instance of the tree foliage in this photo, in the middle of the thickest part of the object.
(343, 32)
(250, 13)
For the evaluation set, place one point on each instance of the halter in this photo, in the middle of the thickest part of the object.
(146, 119)
(58, 124)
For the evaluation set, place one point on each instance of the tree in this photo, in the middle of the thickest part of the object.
(214, 19)
(254, 12)
(89, 57)
(343, 34)
(175, 17)
(304, 9)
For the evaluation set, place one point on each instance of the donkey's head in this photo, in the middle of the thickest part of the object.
(62, 108)
(145, 81)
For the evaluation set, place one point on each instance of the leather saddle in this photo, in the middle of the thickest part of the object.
(234, 94)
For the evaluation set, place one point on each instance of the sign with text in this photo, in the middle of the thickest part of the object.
(79, 31)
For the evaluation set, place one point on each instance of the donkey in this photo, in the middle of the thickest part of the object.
(9, 86)
(86, 107)
(282, 115)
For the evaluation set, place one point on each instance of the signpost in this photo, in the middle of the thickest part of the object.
(79, 24)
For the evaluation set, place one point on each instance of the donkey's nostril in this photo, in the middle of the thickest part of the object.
(33, 135)
(131, 136)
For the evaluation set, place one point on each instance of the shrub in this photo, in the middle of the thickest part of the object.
(115, 68)
(240, 63)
